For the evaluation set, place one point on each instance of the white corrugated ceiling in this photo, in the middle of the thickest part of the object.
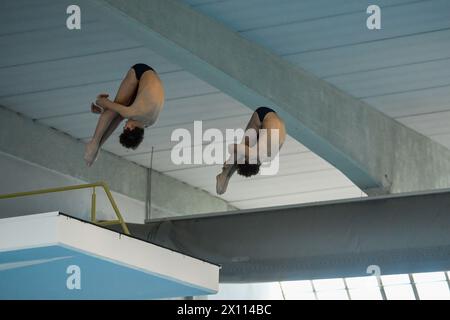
(51, 74)
(403, 69)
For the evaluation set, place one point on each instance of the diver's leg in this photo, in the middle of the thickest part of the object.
(228, 168)
(224, 177)
(109, 120)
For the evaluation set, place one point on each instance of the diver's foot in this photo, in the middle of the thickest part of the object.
(91, 153)
(221, 183)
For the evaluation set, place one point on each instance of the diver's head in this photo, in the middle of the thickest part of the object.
(247, 169)
(132, 135)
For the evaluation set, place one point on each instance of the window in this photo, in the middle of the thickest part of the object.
(423, 286)
(432, 286)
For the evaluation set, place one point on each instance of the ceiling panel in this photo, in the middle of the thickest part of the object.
(305, 197)
(402, 70)
(240, 189)
(289, 164)
(162, 162)
(59, 102)
(374, 55)
(205, 107)
(65, 101)
(31, 15)
(342, 30)
(436, 123)
(443, 139)
(257, 14)
(396, 79)
(183, 84)
(413, 102)
(59, 43)
(160, 138)
(162, 159)
(51, 75)
(75, 71)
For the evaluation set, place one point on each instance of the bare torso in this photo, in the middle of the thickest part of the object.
(270, 121)
(273, 121)
(149, 99)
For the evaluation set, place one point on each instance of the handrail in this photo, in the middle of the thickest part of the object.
(93, 200)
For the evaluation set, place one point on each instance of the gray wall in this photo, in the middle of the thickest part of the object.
(62, 158)
(18, 175)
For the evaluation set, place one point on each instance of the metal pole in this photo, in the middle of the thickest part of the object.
(148, 202)
(116, 209)
(77, 187)
(413, 285)
(93, 206)
(50, 190)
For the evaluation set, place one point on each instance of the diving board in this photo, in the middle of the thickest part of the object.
(55, 256)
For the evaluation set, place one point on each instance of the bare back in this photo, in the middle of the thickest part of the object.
(273, 121)
(149, 99)
(270, 121)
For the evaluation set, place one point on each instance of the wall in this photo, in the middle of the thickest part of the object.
(17, 175)
(60, 153)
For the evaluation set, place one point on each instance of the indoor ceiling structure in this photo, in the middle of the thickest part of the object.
(53, 79)
(51, 74)
(363, 187)
(402, 70)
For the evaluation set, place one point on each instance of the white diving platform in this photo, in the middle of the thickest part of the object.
(55, 256)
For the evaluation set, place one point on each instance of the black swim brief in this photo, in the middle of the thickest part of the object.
(140, 68)
(262, 111)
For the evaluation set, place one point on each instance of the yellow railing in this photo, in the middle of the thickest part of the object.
(93, 201)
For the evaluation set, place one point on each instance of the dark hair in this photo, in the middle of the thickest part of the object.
(132, 138)
(248, 170)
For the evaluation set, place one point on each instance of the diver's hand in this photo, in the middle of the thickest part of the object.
(96, 108)
(100, 102)
(102, 95)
